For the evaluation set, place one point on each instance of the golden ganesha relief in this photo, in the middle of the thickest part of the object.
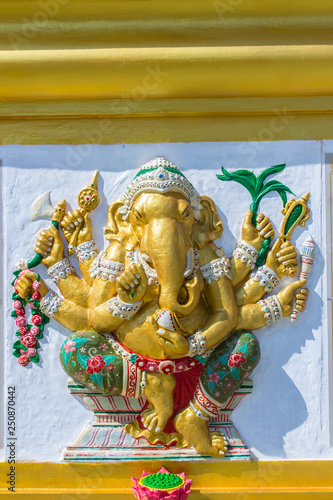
(163, 312)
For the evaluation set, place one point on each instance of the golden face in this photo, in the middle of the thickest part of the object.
(161, 209)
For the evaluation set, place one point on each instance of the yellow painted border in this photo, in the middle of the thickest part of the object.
(147, 71)
(237, 480)
(136, 71)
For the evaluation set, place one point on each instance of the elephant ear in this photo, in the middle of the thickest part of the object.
(118, 229)
(209, 227)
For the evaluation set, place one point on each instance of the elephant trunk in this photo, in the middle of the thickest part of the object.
(173, 262)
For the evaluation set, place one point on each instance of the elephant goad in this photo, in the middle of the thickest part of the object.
(181, 313)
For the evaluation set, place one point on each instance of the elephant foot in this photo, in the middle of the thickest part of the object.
(196, 431)
(152, 421)
(159, 392)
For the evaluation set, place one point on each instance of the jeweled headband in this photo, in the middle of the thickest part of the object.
(160, 175)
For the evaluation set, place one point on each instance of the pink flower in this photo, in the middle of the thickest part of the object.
(23, 360)
(36, 319)
(17, 304)
(31, 352)
(151, 367)
(36, 296)
(229, 384)
(36, 285)
(20, 321)
(236, 359)
(23, 330)
(103, 347)
(217, 394)
(34, 330)
(28, 340)
(167, 367)
(95, 364)
(78, 375)
(181, 366)
(141, 363)
(181, 492)
(110, 368)
(214, 377)
(20, 312)
(70, 346)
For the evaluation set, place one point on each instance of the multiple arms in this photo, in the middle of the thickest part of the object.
(104, 304)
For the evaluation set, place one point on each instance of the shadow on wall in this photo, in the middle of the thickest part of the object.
(276, 406)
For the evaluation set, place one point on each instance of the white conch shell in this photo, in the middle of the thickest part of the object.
(308, 252)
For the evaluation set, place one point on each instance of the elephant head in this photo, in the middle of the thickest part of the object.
(163, 216)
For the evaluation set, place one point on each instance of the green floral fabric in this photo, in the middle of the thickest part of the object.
(230, 364)
(90, 359)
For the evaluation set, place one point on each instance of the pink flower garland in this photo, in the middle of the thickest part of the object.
(25, 349)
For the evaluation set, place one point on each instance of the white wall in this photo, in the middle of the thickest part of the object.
(287, 415)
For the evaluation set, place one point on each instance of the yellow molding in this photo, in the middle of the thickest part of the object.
(263, 479)
(64, 24)
(111, 130)
(167, 107)
(155, 72)
(15, 10)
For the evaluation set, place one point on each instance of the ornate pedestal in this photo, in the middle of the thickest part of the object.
(106, 441)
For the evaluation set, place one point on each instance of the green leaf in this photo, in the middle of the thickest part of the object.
(248, 174)
(15, 296)
(82, 359)
(35, 358)
(246, 180)
(13, 314)
(66, 357)
(16, 353)
(97, 379)
(265, 173)
(235, 372)
(108, 359)
(17, 345)
(277, 186)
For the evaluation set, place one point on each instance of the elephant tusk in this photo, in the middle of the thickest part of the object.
(189, 263)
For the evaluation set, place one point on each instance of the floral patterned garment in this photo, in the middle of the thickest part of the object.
(90, 359)
(230, 364)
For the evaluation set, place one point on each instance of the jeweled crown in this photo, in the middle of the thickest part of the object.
(160, 175)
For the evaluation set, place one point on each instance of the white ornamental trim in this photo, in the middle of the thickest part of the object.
(216, 269)
(160, 175)
(121, 309)
(86, 251)
(105, 269)
(272, 309)
(246, 253)
(266, 277)
(49, 304)
(60, 270)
